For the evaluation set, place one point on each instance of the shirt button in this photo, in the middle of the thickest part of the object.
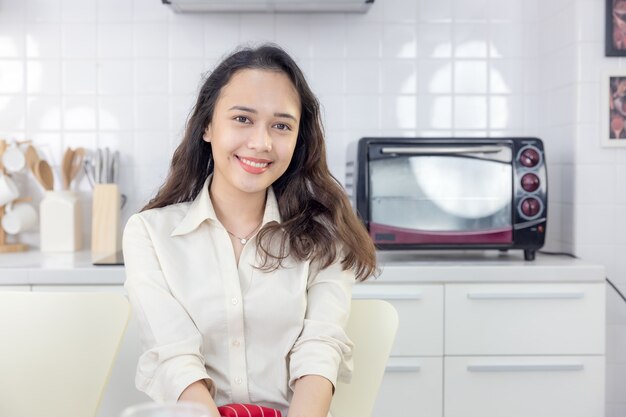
(234, 300)
(238, 381)
(236, 343)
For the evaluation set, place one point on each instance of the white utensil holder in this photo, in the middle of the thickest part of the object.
(60, 223)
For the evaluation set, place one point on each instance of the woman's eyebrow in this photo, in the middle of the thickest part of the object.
(250, 110)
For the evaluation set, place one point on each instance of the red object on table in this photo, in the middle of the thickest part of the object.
(247, 410)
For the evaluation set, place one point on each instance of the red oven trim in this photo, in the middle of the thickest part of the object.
(410, 236)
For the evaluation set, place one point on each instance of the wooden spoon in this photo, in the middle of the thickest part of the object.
(76, 163)
(44, 175)
(31, 158)
(3, 147)
(66, 167)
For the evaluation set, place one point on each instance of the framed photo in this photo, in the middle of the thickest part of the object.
(615, 39)
(614, 110)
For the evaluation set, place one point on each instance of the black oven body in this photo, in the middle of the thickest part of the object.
(412, 193)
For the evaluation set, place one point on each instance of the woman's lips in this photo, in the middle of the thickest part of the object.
(253, 165)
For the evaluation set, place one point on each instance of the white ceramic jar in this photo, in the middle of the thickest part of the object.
(59, 214)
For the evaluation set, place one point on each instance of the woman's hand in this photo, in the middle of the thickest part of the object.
(198, 392)
(311, 397)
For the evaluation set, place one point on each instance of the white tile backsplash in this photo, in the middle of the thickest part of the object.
(399, 77)
(364, 77)
(78, 40)
(43, 77)
(43, 40)
(470, 77)
(115, 113)
(115, 77)
(186, 40)
(434, 76)
(151, 76)
(399, 41)
(79, 77)
(115, 40)
(43, 113)
(79, 112)
(152, 112)
(12, 40)
(11, 76)
(470, 40)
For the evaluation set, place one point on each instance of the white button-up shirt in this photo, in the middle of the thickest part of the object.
(250, 334)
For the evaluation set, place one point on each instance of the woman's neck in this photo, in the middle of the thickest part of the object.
(237, 211)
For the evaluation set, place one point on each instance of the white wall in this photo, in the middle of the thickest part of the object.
(124, 73)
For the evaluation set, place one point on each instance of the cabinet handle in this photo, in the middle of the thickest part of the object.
(390, 296)
(403, 365)
(525, 296)
(548, 367)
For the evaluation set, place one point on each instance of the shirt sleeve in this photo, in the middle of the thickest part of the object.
(172, 344)
(323, 347)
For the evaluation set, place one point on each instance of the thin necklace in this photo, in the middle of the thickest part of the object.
(243, 240)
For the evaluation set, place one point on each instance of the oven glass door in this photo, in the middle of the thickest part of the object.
(432, 195)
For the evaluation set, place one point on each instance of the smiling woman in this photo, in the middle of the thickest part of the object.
(241, 268)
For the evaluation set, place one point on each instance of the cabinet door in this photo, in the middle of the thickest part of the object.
(120, 391)
(411, 387)
(420, 313)
(525, 319)
(538, 386)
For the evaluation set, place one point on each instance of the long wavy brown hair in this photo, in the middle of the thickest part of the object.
(318, 223)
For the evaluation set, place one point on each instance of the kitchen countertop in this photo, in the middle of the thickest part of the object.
(36, 268)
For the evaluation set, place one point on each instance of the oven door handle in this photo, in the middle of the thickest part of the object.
(437, 150)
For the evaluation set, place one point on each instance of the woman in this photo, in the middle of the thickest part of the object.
(240, 270)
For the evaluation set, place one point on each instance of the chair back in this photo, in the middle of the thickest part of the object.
(57, 351)
(372, 327)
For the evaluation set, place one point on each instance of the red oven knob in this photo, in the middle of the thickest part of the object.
(529, 157)
(530, 207)
(530, 182)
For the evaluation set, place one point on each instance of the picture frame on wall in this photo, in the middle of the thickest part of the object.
(614, 110)
(615, 39)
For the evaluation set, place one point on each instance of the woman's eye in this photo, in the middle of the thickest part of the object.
(282, 126)
(242, 119)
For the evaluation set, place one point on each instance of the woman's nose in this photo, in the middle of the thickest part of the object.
(261, 141)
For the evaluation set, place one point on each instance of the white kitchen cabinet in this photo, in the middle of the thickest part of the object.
(494, 349)
(412, 386)
(120, 391)
(525, 319)
(413, 381)
(524, 386)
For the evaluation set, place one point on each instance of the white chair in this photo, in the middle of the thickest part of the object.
(372, 327)
(57, 350)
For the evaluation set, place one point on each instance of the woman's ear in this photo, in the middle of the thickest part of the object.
(207, 134)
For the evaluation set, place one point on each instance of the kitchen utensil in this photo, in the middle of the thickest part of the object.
(106, 167)
(66, 167)
(115, 167)
(31, 157)
(13, 159)
(76, 164)
(8, 189)
(97, 166)
(43, 174)
(19, 217)
(3, 146)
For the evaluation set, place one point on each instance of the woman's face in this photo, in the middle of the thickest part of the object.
(253, 131)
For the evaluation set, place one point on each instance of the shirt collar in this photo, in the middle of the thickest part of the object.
(201, 209)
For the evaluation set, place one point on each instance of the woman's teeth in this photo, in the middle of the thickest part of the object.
(254, 164)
